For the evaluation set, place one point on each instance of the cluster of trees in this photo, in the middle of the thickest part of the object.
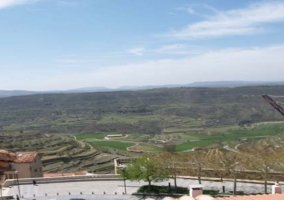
(256, 163)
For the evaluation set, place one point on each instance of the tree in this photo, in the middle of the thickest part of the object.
(199, 160)
(264, 160)
(227, 163)
(146, 168)
(196, 160)
(170, 148)
(172, 164)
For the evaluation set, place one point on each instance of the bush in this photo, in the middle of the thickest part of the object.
(211, 192)
(154, 189)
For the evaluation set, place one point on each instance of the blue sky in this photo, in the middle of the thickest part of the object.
(67, 44)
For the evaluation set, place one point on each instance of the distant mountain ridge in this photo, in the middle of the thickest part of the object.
(233, 83)
(9, 93)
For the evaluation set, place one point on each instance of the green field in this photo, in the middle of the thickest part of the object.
(86, 136)
(113, 144)
(151, 148)
(187, 141)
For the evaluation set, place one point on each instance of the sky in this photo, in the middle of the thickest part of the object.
(69, 44)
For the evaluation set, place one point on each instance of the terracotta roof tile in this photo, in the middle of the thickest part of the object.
(254, 197)
(18, 157)
(7, 156)
(25, 157)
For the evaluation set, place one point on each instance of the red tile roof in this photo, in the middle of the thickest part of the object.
(7, 156)
(25, 157)
(254, 197)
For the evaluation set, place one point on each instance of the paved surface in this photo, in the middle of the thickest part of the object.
(112, 189)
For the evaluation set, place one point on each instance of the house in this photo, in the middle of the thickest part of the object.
(28, 164)
(6, 165)
(20, 165)
(254, 197)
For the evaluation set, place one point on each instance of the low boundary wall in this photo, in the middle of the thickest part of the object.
(95, 177)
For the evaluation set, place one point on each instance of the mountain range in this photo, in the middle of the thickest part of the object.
(9, 93)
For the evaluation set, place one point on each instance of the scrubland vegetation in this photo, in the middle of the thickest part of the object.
(71, 131)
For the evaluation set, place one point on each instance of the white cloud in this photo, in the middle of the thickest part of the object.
(254, 64)
(194, 10)
(179, 49)
(249, 64)
(235, 22)
(136, 51)
(172, 47)
(8, 3)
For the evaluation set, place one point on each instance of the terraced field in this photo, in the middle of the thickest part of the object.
(95, 152)
(61, 153)
(206, 138)
(70, 131)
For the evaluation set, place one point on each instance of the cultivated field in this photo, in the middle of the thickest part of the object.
(95, 152)
(75, 132)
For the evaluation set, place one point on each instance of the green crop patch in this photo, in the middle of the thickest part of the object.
(113, 144)
(99, 136)
(151, 148)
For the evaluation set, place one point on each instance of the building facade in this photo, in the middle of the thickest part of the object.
(20, 165)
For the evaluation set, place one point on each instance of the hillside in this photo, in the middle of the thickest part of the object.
(176, 119)
(148, 111)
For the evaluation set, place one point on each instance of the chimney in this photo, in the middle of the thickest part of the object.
(195, 190)
(276, 189)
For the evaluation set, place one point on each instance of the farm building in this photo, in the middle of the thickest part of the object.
(19, 165)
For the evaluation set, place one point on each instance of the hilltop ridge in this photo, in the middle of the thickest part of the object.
(8, 93)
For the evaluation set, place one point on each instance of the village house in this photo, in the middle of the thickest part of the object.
(19, 165)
